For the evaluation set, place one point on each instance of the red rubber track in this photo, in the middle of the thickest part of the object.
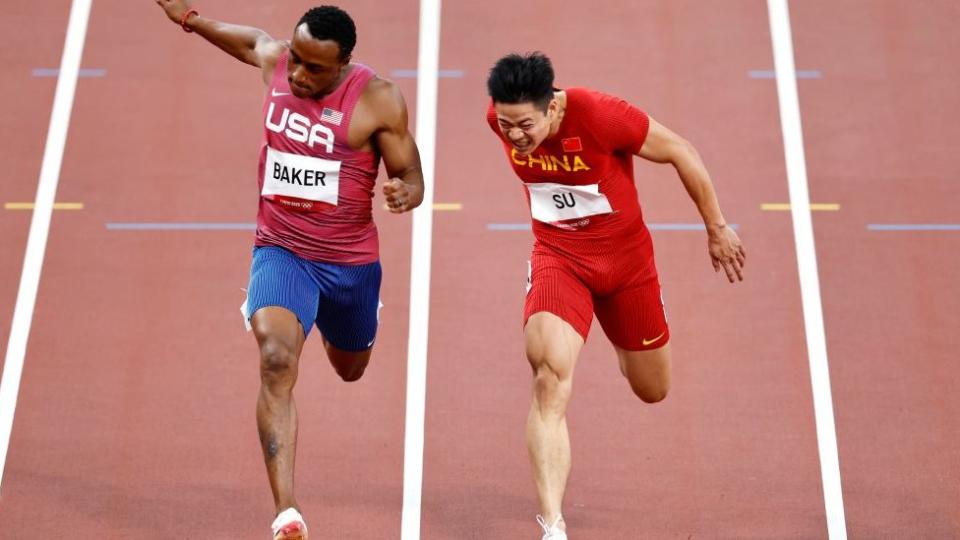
(880, 139)
(24, 117)
(732, 452)
(136, 412)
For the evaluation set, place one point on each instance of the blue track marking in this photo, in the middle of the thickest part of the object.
(914, 227)
(770, 74)
(651, 226)
(173, 226)
(412, 74)
(54, 72)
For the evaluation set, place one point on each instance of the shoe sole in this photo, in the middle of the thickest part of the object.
(292, 531)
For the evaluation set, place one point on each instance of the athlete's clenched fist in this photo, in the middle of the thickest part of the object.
(399, 198)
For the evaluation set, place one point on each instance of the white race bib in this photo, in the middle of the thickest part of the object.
(301, 177)
(551, 202)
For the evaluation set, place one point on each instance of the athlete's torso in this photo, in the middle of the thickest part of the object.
(315, 190)
(579, 182)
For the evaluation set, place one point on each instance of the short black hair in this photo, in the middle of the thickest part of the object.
(525, 78)
(333, 23)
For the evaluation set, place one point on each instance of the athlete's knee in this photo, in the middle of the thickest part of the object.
(651, 394)
(278, 364)
(350, 366)
(551, 390)
(539, 356)
(648, 373)
(351, 372)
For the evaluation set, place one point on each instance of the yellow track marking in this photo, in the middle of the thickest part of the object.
(29, 206)
(816, 207)
(440, 207)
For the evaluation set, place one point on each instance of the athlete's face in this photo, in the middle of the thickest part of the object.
(315, 65)
(525, 125)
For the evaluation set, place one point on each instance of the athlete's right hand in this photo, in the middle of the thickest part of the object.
(174, 8)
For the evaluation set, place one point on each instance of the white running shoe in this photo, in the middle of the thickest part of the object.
(552, 532)
(290, 525)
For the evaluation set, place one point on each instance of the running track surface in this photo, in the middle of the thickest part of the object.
(136, 408)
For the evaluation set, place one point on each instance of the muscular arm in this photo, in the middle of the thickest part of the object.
(404, 190)
(665, 146)
(249, 45)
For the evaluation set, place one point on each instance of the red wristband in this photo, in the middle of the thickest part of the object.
(183, 20)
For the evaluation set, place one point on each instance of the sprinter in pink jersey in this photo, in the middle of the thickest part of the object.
(327, 123)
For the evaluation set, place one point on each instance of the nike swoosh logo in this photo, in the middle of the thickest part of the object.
(651, 341)
(274, 93)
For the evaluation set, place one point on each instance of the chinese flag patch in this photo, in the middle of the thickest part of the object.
(572, 144)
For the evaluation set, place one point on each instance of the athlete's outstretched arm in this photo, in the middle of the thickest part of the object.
(249, 45)
(665, 146)
(404, 189)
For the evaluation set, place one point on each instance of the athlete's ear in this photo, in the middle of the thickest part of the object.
(553, 107)
(345, 61)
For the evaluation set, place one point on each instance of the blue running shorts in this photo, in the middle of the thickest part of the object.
(342, 300)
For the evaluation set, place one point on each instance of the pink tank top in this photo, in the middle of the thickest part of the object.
(315, 191)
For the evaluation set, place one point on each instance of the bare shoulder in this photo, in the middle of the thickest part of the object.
(384, 100)
(269, 50)
(273, 48)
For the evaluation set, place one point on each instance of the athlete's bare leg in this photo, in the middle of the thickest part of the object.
(552, 349)
(281, 338)
(349, 365)
(648, 372)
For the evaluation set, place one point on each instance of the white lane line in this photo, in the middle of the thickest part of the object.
(427, 70)
(40, 223)
(807, 266)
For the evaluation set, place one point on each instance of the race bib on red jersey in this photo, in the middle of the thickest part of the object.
(551, 202)
(300, 181)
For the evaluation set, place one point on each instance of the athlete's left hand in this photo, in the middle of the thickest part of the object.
(399, 197)
(727, 252)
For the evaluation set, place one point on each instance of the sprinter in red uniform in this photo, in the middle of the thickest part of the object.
(327, 122)
(573, 149)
